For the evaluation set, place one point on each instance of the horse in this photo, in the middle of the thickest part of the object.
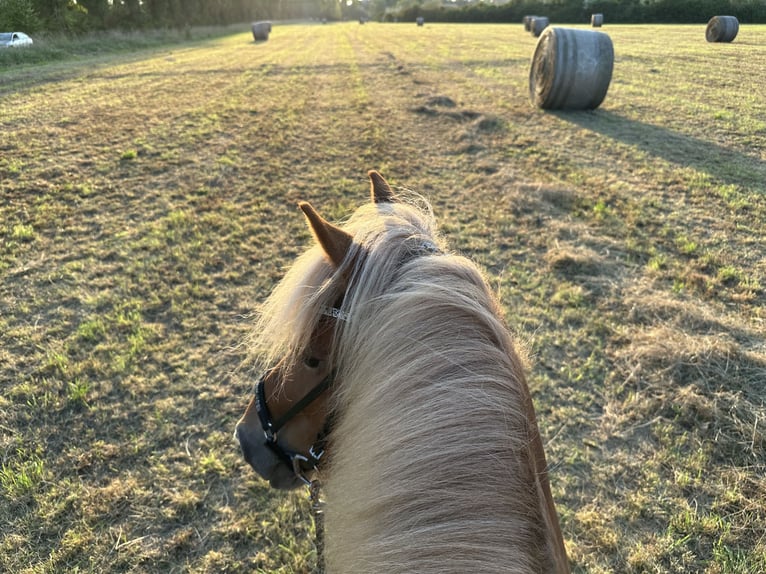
(393, 377)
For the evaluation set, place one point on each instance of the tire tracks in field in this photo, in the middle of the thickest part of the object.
(445, 133)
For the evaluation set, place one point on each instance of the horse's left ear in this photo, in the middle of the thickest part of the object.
(380, 191)
(335, 242)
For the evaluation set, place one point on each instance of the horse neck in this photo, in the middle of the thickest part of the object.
(436, 451)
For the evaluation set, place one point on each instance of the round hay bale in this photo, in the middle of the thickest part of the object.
(722, 29)
(528, 23)
(420, 20)
(537, 25)
(571, 69)
(261, 31)
(597, 20)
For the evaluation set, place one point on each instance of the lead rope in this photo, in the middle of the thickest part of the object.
(317, 512)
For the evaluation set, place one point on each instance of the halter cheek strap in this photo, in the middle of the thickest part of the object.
(272, 427)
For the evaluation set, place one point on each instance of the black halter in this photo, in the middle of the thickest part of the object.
(270, 427)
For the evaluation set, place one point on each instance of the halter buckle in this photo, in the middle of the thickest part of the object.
(270, 435)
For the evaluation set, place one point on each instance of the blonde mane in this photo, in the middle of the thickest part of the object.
(430, 467)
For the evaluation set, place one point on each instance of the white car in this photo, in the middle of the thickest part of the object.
(13, 39)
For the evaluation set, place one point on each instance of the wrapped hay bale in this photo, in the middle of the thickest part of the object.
(261, 30)
(420, 20)
(571, 69)
(597, 20)
(722, 29)
(528, 23)
(537, 25)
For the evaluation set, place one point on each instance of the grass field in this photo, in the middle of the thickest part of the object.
(148, 203)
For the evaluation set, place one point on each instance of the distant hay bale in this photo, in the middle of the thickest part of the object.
(538, 24)
(261, 30)
(571, 69)
(528, 23)
(597, 20)
(722, 29)
(420, 20)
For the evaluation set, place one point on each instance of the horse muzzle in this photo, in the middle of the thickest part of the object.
(263, 460)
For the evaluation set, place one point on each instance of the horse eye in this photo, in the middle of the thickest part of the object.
(311, 362)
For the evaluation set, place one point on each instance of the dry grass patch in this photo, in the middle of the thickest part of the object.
(709, 384)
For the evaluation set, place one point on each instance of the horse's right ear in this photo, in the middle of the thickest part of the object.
(380, 191)
(335, 242)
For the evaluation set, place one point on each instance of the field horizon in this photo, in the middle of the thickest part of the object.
(148, 203)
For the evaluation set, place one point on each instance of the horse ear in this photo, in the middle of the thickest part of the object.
(335, 242)
(380, 191)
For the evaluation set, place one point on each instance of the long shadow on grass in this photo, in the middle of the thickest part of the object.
(723, 164)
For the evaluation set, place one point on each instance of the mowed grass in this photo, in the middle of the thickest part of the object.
(148, 203)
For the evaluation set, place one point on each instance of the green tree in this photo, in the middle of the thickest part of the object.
(330, 9)
(379, 8)
(18, 16)
(97, 11)
(52, 13)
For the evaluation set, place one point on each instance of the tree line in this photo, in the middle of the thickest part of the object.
(579, 11)
(78, 16)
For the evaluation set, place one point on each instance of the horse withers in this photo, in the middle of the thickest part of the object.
(393, 376)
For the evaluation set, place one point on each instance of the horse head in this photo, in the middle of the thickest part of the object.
(284, 429)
